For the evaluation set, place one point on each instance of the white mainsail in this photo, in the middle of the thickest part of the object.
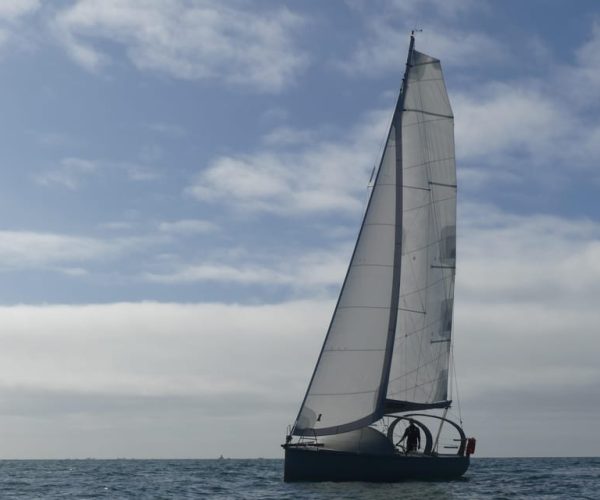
(388, 344)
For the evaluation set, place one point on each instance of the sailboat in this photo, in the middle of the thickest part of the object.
(386, 356)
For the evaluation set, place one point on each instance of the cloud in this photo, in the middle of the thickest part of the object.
(587, 70)
(286, 136)
(504, 118)
(27, 249)
(378, 53)
(136, 172)
(70, 173)
(224, 367)
(188, 226)
(520, 132)
(188, 40)
(167, 129)
(308, 272)
(521, 257)
(326, 175)
(439, 8)
(12, 15)
(12, 10)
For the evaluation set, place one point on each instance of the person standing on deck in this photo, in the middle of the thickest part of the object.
(412, 434)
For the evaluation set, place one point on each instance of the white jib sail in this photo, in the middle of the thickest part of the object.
(399, 285)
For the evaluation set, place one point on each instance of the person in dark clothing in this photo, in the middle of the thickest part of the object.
(412, 434)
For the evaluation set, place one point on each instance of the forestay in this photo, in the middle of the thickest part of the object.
(393, 318)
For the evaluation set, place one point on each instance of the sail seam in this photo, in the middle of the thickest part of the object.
(425, 163)
(434, 202)
(410, 372)
(372, 265)
(343, 393)
(430, 113)
(354, 350)
(418, 290)
(435, 61)
(363, 307)
(432, 120)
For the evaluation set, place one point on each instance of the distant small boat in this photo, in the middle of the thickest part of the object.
(387, 353)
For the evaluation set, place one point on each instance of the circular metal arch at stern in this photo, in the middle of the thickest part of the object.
(427, 432)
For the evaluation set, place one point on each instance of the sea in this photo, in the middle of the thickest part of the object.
(493, 478)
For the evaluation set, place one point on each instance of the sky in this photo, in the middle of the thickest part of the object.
(182, 183)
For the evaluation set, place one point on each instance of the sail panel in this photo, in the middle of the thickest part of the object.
(419, 370)
(346, 389)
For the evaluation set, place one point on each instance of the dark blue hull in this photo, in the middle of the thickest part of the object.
(313, 464)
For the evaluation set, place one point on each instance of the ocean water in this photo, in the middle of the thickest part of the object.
(543, 478)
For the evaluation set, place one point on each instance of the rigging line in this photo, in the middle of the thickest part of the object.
(456, 385)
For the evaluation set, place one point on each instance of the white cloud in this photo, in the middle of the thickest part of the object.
(117, 225)
(188, 226)
(529, 257)
(27, 249)
(167, 129)
(157, 364)
(12, 15)
(324, 175)
(504, 118)
(441, 8)
(72, 173)
(189, 40)
(69, 174)
(286, 136)
(378, 53)
(308, 272)
(12, 10)
(587, 71)
(514, 131)
(137, 172)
